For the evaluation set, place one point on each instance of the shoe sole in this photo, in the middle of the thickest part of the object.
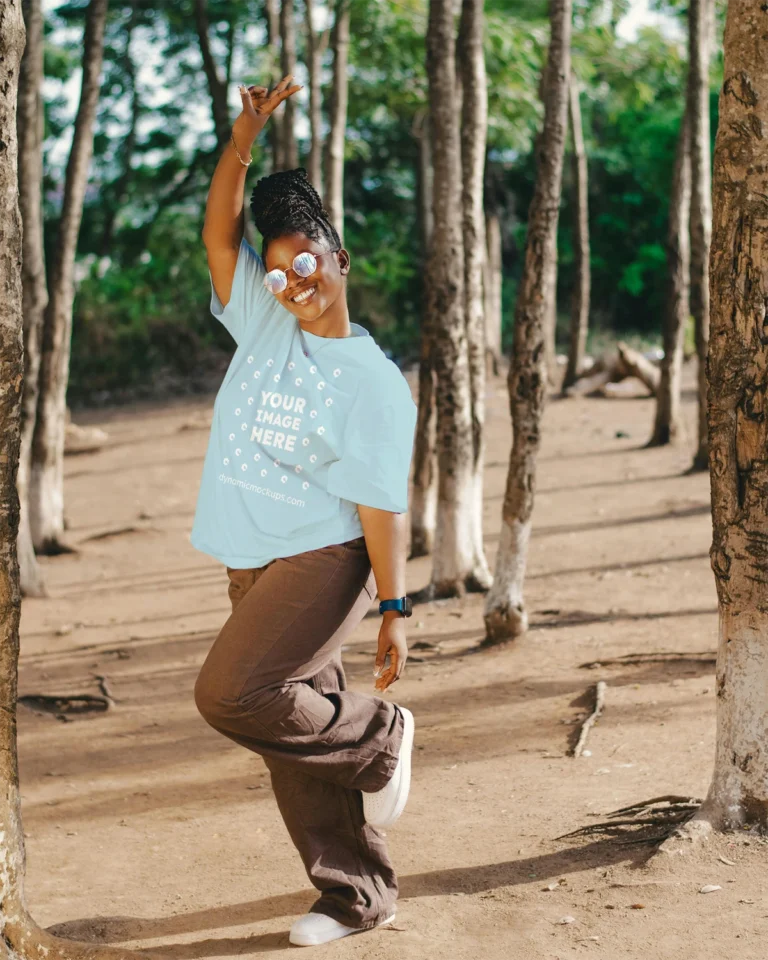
(406, 749)
(309, 942)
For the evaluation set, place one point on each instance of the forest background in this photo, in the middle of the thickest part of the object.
(141, 324)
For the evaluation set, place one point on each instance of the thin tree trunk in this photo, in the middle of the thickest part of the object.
(505, 613)
(492, 277)
(333, 192)
(116, 196)
(29, 124)
(290, 147)
(549, 283)
(668, 424)
(453, 556)
(738, 428)
(701, 29)
(424, 485)
(274, 127)
(581, 290)
(474, 129)
(216, 86)
(316, 45)
(46, 493)
(492, 280)
(20, 937)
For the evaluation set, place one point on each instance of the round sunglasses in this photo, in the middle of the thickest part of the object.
(304, 265)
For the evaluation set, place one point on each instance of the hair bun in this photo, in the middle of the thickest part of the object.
(285, 202)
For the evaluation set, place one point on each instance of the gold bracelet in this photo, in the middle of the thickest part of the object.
(232, 138)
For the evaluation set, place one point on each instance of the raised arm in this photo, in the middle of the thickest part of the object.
(223, 226)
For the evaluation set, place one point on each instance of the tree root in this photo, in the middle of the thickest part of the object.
(63, 706)
(668, 812)
(660, 657)
(22, 939)
(600, 689)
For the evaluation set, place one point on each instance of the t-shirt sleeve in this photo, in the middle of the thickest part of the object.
(250, 300)
(374, 467)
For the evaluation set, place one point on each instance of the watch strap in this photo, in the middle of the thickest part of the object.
(402, 604)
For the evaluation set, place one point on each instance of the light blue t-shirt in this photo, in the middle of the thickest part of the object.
(297, 441)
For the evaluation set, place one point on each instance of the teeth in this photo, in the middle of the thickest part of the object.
(305, 295)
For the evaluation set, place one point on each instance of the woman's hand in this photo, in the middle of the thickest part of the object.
(259, 103)
(391, 641)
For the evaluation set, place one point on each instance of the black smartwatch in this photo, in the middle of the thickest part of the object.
(403, 604)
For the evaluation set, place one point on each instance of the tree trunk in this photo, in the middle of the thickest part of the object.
(116, 196)
(505, 613)
(738, 428)
(315, 47)
(424, 485)
(288, 66)
(333, 192)
(20, 937)
(453, 557)
(549, 283)
(700, 30)
(474, 129)
(492, 269)
(581, 290)
(29, 124)
(274, 127)
(216, 86)
(668, 425)
(46, 494)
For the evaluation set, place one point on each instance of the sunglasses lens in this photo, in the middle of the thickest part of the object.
(275, 281)
(305, 264)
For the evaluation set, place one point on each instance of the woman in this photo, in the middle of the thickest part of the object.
(303, 497)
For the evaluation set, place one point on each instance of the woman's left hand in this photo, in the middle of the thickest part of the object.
(391, 641)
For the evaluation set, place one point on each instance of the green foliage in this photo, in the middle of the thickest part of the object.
(141, 310)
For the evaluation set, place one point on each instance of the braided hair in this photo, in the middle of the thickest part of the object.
(286, 203)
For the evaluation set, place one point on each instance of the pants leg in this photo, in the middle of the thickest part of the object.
(254, 686)
(345, 858)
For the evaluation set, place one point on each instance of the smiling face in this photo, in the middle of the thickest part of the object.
(308, 298)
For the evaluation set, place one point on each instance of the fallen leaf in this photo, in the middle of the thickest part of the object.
(567, 920)
(710, 888)
(731, 863)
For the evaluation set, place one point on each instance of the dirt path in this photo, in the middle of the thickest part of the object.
(146, 828)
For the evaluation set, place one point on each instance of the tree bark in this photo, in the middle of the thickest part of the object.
(492, 271)
(700, 31)
(29, 124)
(474, 130)
(549, 282)
(46, 494)
(424, 484)
(117, 194)
(581, 289)
(505, 613)
(333, 192)
(315, 47)
(216, 86)
(738, 428)
(20, 937)
(668, 425)
(290, 148)
(453, 556)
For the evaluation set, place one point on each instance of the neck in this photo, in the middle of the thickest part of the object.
(333, 323)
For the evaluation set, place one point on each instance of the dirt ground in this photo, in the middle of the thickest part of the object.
(146, 828)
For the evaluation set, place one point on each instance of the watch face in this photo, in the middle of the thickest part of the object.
(408, 607)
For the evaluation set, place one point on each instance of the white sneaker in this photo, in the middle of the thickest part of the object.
(315, 928)
(384, 807)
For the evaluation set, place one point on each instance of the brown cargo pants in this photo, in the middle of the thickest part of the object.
(273, 682)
